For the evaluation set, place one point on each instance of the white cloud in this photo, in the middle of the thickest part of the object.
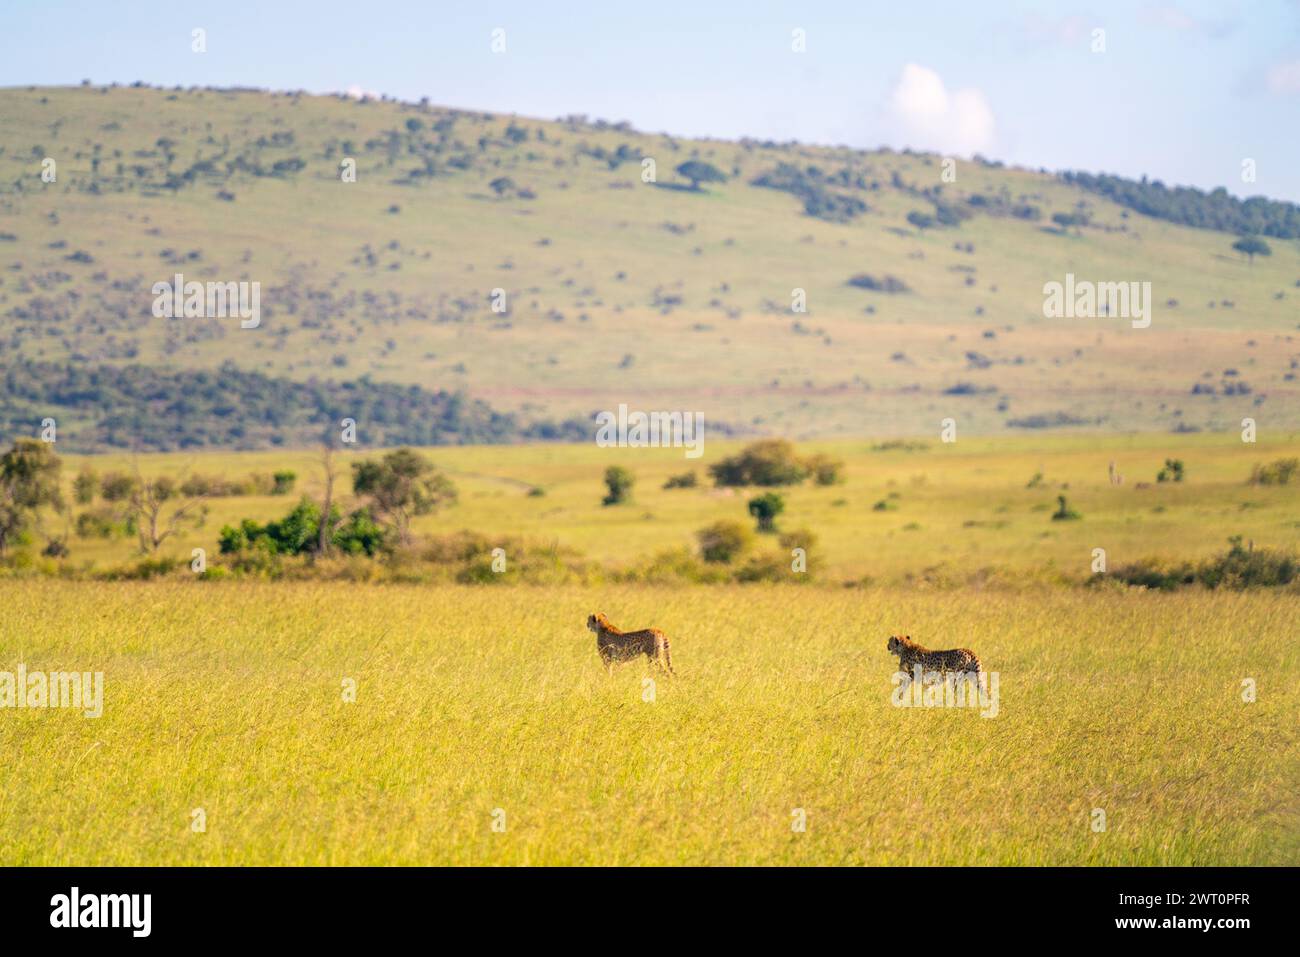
(929, 117)
(1284, 78)
(357, 93)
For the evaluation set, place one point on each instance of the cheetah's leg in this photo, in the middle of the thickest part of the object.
(668, 656)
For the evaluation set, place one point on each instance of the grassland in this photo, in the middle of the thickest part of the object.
(618, 290)
(227, 697)
(953, 513)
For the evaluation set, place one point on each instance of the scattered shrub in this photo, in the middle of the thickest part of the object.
(685, 480)
(1279, 472)
(824, 469)
(724, 541)
(85, 485)
(1172, 472)
(1248, 567)
(889, 284)
(1064, 513)
(1240, 567)
(619, 481)
(283, 482)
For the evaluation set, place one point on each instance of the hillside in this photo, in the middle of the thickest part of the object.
(617, 290)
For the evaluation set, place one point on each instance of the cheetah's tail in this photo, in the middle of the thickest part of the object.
(668, 657)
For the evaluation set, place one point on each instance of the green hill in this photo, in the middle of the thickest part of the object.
(924, 298)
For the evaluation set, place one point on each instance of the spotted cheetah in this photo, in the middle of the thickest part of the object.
(910, 654)
(614, 644)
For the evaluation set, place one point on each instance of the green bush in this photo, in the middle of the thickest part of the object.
(769, 462)
(1247, 567)
(1240, 567)
(766, 508)
(724, 541)
(1153, 573)
(101, 523)
(299, 533)
(1172, 472)
(619, 481)
(85, 485)
(1064, 513)
(283, 482)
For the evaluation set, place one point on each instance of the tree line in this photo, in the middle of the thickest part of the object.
(1188, 206)
(147, 408)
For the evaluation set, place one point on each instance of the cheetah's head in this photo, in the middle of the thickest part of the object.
(595, 621)
(893, 645)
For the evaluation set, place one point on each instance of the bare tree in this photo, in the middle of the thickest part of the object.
(160, 510)
(325, 533)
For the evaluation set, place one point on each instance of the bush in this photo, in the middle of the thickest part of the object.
(824, 469)
(1172, 472)
(299, 532)
(724, 541)
(1248, 567)
(116, 486)
(890, 284)
(1063, 511)
(619, 481)
(214, 486)
(1154, 574)
(766, 508)
(769, 462)
(85, 485)
(766, 568)
(798, 538)
(1240, 567)
(101, 523)
(360, 535)
(1279, 472)
(685, 480)
(283, 482)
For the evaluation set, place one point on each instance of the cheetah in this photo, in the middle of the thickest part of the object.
(616, 645)
(910, 654)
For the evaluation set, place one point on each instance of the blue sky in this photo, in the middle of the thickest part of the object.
(1183, 92)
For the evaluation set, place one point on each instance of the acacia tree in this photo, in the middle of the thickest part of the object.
(29, 479)
(401, 486)
(698, 171)
(1252, 246)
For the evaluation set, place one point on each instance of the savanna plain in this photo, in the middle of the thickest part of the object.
(364, 722)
